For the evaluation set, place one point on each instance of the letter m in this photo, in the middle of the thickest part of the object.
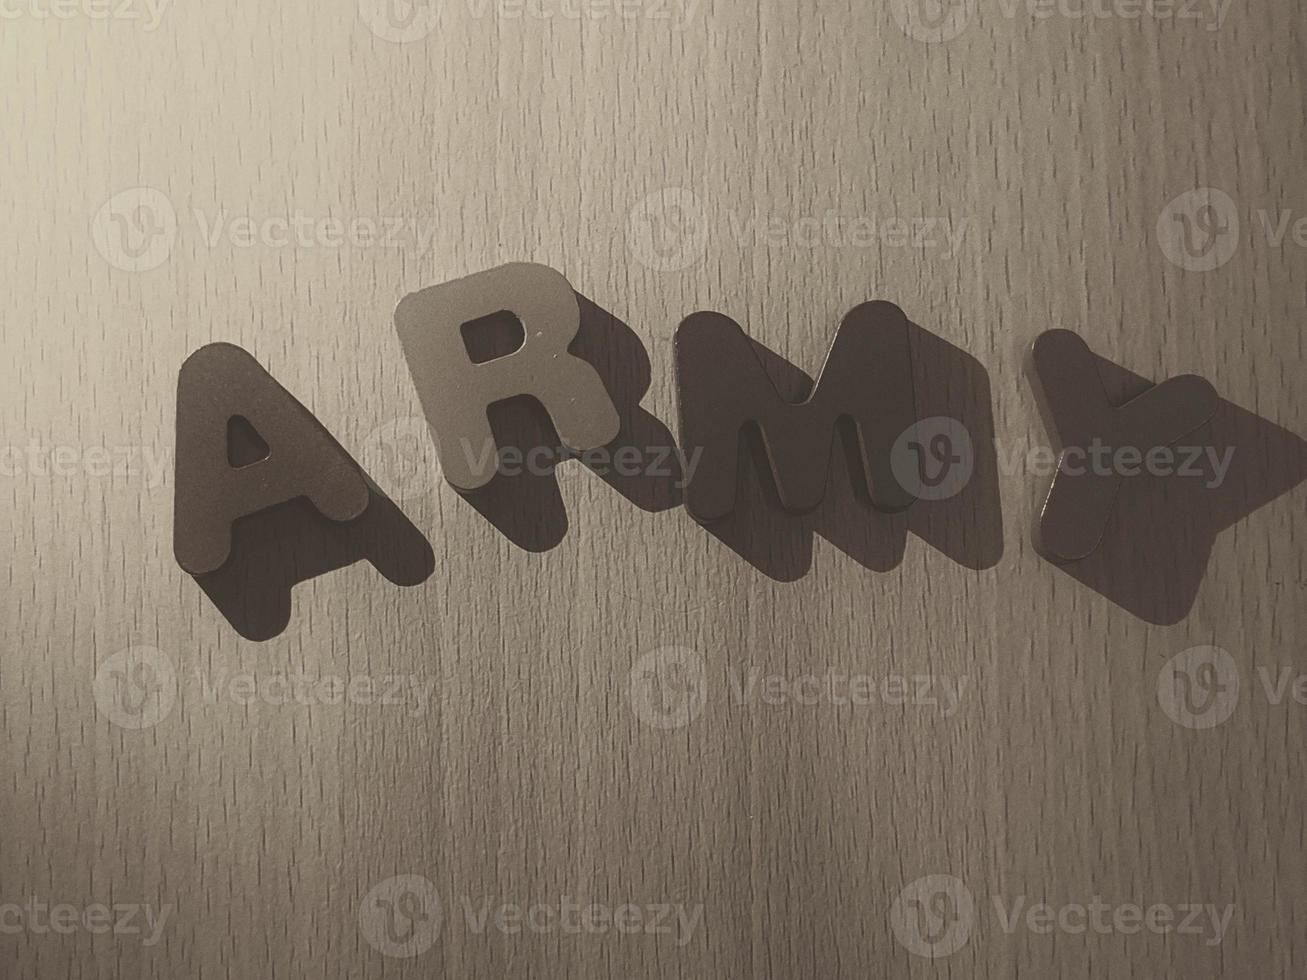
(864, 391)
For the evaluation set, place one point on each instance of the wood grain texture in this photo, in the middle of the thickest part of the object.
(1055, 142)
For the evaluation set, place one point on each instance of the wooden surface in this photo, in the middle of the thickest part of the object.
(1056, 142)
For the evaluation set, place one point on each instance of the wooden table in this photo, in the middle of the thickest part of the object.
(308, 164)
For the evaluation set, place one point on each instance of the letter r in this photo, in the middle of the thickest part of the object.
(456, 392)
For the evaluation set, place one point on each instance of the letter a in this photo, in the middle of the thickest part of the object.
(244, 444)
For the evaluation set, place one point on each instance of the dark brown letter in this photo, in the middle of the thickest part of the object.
(244, 444)
(722, 386)
(1080, 418)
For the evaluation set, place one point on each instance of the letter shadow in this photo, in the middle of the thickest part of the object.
(523, 501)
(967, 527)
(278, 548)
(1160, 536)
